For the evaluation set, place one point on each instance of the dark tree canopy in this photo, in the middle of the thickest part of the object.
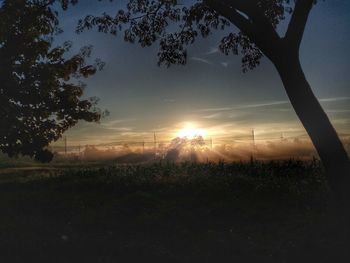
(40, 87)
(146, 22)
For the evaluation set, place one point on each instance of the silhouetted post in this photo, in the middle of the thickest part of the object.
(253, 143)
(143, 147)
(65, 145)
(155, 144)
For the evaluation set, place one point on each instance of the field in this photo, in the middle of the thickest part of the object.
(164, 212)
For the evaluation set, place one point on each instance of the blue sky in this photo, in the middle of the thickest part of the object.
(211, 92)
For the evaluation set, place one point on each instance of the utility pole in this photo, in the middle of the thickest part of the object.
(65, 145)
(253, 143)
(155, 144)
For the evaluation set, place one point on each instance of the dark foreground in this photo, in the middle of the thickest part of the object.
(253, 212)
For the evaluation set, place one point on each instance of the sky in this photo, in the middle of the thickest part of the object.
(210, 92)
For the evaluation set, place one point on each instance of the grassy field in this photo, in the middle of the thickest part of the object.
(240, 212)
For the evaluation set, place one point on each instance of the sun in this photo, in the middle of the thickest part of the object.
(191, 132)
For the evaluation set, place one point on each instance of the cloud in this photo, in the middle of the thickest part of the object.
(202, 60)
(259, 105)
(111, 123)
(212, 116)
(215, 109)
(341, 121)
(135, 134)
(168, 100)
(338, 111)
(213, 50)
(334, 99)
(247, 106)
(122, 129)
(272, 103)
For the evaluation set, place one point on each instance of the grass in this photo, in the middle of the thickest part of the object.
(163, 212)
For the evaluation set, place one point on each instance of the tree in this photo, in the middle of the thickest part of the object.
(147, 22)
(40, 90)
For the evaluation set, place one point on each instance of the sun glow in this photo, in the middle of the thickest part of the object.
(191, 132)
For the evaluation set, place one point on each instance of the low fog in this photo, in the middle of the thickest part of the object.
(196, 149)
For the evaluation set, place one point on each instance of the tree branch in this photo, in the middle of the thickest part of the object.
(255, 25)
(297, 23)
(232, 15)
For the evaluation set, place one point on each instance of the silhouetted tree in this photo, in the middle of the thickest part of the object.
(40, 91)
(146, 22)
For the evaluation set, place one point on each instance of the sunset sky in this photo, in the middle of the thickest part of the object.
(210, 93)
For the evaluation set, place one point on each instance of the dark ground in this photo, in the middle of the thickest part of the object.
(253, 212)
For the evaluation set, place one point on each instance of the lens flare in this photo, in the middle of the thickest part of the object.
(191, 132)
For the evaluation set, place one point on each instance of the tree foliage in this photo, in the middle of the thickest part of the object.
(40, 84)
(147, 22)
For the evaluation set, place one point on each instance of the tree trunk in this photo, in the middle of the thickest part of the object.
(315, 121)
